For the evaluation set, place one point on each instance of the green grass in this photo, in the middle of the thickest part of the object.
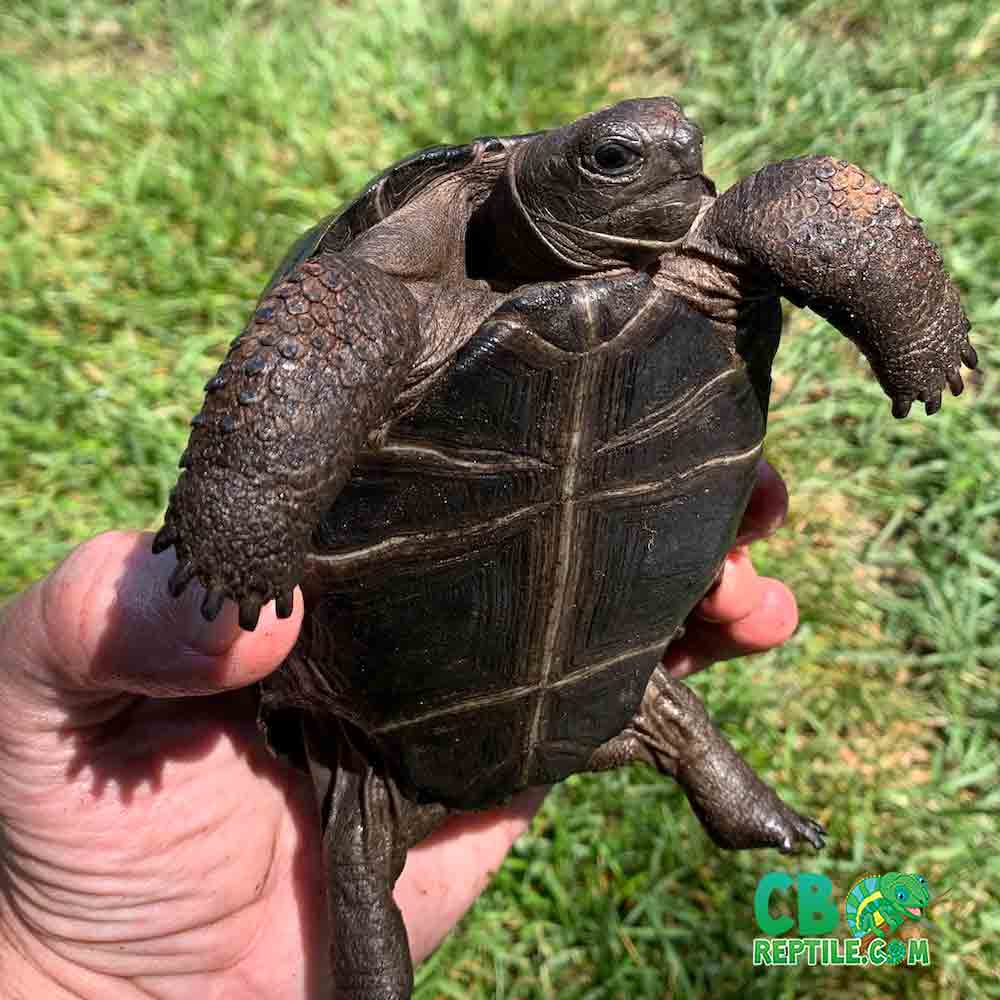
(157, 159)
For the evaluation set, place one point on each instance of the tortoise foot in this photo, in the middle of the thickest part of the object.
(317, 367)
(739, 811)
(221, 579)
(931, 397)
(793, 831)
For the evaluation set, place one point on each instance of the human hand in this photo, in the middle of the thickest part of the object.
(150, 846)
(744, 613)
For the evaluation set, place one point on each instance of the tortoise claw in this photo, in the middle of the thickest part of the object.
(212, 605)
(283, 604)
(955, 382)
(933, 402)
(182, 575)
(901, 407)
(164, 538)
(969, 357)
(815, 834)
(803, 830)
(249, 613)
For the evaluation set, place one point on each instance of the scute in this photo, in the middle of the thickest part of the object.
(383, 195)
(455, 640)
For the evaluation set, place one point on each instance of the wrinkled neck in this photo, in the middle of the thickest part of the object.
(504, 245)
(721, 281)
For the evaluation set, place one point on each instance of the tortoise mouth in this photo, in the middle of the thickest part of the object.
(604, 235)
(611, 240)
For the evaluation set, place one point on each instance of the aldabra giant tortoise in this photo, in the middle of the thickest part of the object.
(500, 419)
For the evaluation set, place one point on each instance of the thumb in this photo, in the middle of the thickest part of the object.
(103, 622)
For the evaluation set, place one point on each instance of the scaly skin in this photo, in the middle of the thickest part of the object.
(827, 235)
(316, 368)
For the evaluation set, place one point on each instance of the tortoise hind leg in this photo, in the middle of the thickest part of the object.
(673, 733)
(367, 827)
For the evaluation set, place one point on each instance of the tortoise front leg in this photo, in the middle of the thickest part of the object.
(315, 370)
(673, 733)
(829, 236)
(367, 828)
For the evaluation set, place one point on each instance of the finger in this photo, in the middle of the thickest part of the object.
(103, 621)
(771, 622)
(445, 874)
(768, 506)
(737, 592)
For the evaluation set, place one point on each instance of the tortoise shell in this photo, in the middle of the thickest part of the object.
(386, 193)
(491, 591)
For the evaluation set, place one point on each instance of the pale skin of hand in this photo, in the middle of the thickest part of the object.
(149, 844)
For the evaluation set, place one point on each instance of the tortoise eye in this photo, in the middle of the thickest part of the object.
(615, 158)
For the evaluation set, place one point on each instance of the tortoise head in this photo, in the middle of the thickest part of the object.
(616, 187)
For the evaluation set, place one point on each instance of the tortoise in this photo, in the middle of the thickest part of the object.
(500, 418)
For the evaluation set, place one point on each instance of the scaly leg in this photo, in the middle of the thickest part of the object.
(367, 827)
(317, 368)
(673, 733)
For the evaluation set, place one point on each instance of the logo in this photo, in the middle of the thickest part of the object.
(876, 908)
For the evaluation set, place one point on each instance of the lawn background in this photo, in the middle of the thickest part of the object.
(157, 158)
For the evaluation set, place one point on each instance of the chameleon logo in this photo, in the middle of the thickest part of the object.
(877, 909)
(878, 905)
